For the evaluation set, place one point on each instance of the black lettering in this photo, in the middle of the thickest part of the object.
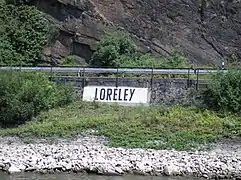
(102, 94)
(109, 93)
(119, 95)
(125, 94)
(96, 99)
(115, 94)
(132, 93)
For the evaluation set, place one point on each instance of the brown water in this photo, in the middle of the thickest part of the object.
(61, 176)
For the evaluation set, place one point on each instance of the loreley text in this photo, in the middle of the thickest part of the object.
(110, 94)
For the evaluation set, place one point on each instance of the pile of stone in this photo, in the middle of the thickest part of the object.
(90, 154)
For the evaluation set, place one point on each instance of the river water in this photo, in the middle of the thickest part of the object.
(62, 176)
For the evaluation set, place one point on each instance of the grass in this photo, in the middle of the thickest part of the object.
(181, 128)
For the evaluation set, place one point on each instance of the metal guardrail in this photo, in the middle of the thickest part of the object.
(81, 72)
(113, 70)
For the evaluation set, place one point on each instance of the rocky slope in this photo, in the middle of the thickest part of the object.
(207, 30)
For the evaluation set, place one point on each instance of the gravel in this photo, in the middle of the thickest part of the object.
(89, 153)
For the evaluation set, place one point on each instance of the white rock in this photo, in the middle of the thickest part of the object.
(13, 169)
(21, 167)
(170, 170)
(89, 153)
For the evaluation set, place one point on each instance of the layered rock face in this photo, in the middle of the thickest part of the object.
(209, 31)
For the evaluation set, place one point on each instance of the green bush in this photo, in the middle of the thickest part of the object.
(119, 50)
(68, 61)
(224, 93)
(177, 59)
(146, 60)
(24, 95)
(23, 34)
(113, 49)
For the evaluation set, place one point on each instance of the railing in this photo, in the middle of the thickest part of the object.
(113, 70)
(82, 71)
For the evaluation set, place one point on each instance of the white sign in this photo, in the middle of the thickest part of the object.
(116, 94)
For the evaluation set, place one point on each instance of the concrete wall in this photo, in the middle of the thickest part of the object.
(163, 91)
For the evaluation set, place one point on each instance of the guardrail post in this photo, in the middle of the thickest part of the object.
(83, 84)
(117, 78)
(78, 73)
(197, 73)
(188, 79)
(64, 81)
(51, 73)
(152, 79)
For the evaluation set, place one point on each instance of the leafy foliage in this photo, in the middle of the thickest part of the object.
(224, 92)
(24, 95)
(23, 34)
(146, 60)
(113, 49)
(68, 61)
(19, 1)
(177, 59)
(118, 50)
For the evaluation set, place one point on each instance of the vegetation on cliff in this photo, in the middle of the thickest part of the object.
(23, 34)
(119, 50)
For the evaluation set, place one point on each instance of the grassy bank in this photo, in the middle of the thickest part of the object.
(160, 128)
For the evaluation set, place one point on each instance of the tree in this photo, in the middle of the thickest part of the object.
(113, 50)
(23, 34)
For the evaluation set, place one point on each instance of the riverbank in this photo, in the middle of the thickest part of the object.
(177, 127)
(89, 153)
(118, 140)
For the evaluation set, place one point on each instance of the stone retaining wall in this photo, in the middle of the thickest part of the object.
(163, 91)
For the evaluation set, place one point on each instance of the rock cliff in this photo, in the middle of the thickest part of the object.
(207, 30)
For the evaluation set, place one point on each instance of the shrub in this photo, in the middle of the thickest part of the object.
(68, 61)
(24, 95)
(119, 50)
(177, 59)
(113, 50)
(146, 60)
(23, 34)
(224, 92)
